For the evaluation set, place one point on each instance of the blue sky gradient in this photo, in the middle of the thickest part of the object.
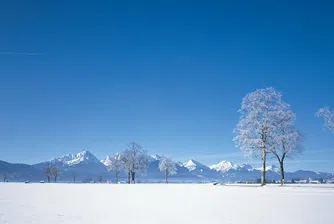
(170, 76)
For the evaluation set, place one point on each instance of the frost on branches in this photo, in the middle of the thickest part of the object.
(328, 116)
(261, 111)
(167, 166)
(135, 160)
(285, 140)
(116, 165)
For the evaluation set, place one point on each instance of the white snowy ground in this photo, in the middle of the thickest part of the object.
(175, 203)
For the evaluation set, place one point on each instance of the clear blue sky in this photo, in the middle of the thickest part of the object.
(169, 75)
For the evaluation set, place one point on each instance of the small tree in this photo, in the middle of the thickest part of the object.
(74, 176)
(140, 165)
(167, 166)
(328, 116)
(54, 173)
(285, 139)
(116, 165)
(48, 172)
(4, 175)
(288, 145)
(127, 163)
(259, 110)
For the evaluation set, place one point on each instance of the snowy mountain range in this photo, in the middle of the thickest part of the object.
(84, 157)
(86, 167)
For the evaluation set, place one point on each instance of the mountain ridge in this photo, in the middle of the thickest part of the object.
(86, 165)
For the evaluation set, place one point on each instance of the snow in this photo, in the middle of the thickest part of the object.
(156, 157)
(89, 168)
(245, 167)
(270, 168)
(74, 159)
(223, 166)
(192, 165)
(159, 203)
(106, 161)
(328, 116)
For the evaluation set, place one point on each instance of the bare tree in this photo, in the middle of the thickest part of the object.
(286, 140)
(167, 166)
(259, 110)
(4, 175)
(54, 173)
(135, 160)
(48, 171)
(140, 166)
(116, 165)
(127, 163)
(74, 176)
(328, 116)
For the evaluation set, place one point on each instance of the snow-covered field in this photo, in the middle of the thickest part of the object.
(160, 203)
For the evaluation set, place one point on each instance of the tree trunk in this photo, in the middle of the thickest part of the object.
(166, 176)
(129, 177)
(48, 179)
(263, 175)
(133, 177)
(73, 179)
(116, 177)
(55, 179)
(282, 172)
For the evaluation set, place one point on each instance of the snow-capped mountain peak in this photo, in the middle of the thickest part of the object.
(192, 165)
(153, 158)
(106, 161)
(74, 159)
(245, 167)
(223, 166)
(270, 168)
(156, 157)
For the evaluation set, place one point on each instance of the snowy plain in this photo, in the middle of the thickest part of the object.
(159, 203)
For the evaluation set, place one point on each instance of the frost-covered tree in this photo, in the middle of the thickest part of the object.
(286, 140)
(74, 176)
(4, 175)
(54, 173)
(328, 116)
(259, 110)
(116, 165)
(48, 171)
(127, 163)
(135, 160)
(167, 166)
